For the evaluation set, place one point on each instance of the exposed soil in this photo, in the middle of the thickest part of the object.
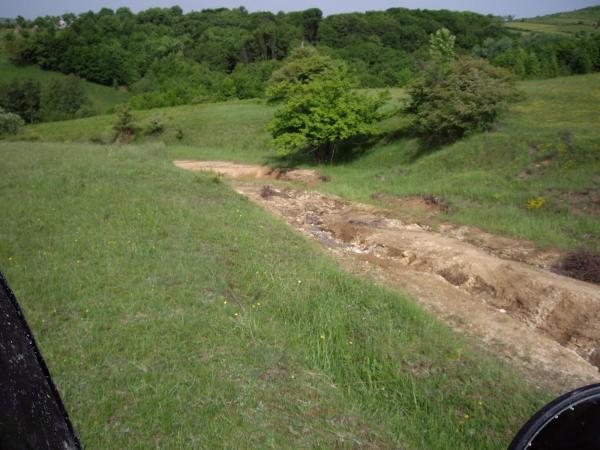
(581, 264)
(494, 288)
(234, 170)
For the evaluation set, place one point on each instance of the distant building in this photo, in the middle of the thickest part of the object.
(61, 24)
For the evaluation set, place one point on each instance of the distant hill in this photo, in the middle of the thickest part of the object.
(565, 23)
(102, 98)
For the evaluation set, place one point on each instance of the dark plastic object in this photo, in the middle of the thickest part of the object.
(572, 421)
(32, 415)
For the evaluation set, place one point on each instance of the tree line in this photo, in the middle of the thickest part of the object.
(166, 57)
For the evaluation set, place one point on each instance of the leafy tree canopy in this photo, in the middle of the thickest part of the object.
(465, 97)
(303, 65)
(323, 111)
(231, 48)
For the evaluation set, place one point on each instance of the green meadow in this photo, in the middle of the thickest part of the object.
(585, 20)
(544, 150)
(174, 313)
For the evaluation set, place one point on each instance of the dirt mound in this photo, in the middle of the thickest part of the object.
(234, 170)
(548, 323)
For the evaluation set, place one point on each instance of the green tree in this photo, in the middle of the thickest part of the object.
(63, 98)
(302, 66)
(124, 127)
(465, 98)
(318, 115)
(22, 97)
(311, 19)
(441, 46)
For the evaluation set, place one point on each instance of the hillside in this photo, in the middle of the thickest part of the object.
(187, 284)
(166, 57)
(174, 313)
(565, 23)
(102, 98)
(544, 148)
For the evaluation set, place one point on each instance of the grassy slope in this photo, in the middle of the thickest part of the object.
(175, 314)
(572, 22)
(234, 130)
(545, 147)
(102, 98)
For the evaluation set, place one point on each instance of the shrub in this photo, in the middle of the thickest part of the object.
(22, 97)
(155, 127)
(10, 123)
(465, 96)
(124, 127)
(63, 99)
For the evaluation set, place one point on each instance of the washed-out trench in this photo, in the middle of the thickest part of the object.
(496, 289)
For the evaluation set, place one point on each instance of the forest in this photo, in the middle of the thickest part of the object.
(165, 57)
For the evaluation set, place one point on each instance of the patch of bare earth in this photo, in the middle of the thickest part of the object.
(496, 289)
(234, 170)
(584, 202)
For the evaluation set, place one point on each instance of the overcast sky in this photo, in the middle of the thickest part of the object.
(519, 8)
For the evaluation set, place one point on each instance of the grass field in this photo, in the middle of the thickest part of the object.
(568, 23)
(174, 313)
(544, 148)
(233, 129)
(102, 98)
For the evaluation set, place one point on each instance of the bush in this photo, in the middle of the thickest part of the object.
(22, 97)
(63, 99)
(465, 96)
(155, 127)
(10, 123)
(124, 127)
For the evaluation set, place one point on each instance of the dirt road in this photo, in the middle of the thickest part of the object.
(496, 289)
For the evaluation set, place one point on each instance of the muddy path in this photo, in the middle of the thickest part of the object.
(496, 289)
